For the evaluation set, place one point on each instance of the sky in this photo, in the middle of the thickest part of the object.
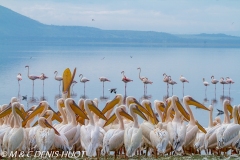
(171, 16)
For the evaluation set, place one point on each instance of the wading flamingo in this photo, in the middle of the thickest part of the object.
(125, 80)
(83, 80)
(103, 79)
(144, 80)
(183, 80)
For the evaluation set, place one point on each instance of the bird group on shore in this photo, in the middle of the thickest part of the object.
(81, 126)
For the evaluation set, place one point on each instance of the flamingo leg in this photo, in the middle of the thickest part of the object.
(172, 89)
(84, 89)
(146, 88)
(125, 88)
(103, 89)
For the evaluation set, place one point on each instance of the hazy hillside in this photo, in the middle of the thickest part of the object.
(19, 29)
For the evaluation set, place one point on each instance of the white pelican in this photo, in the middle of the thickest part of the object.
(45, 135)
(228, 134)
(148, 126)
(32, 77)
(176, 128)
(58, 78)
(13, 138)
(90, 133)
(183, 80)
(19, 78)
(133, 135)
(144, 80)
(125, 80)
(172, 82)
(72, 129)
(159, 138)
(103, 79)
(113, 138)
(192, 128)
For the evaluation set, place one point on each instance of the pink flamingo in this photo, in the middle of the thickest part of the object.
(32, 77)
(103, 79)
(125, 80)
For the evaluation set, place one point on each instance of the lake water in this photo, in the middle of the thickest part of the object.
(193, 63)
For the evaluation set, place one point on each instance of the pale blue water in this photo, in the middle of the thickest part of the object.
(192, 63)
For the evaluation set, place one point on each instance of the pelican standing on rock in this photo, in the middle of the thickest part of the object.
(125, 80)
(183, 80)
(83, 80)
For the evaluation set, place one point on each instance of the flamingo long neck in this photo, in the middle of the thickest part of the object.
(135, 119)
(120, 120)
(81, 76)
(226, 115)
(192, 119)
(56, 75)
(71, 114)
(210, 124)
(139, 74)
(123, 74)
(90, 116)
(28, 71)
(64, 117)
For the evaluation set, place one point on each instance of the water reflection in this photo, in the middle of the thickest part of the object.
(104, 98)
(222, 98)
(145, 97)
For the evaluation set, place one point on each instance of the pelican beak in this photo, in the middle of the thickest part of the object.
(24, 113)
(200, 127)
(197, 104)
(9, 106)
(77, 110)
(110, 105)
(182, 110)
(36, 123)
(19, 112)
(80, 120)
(126, 115)
(6, 112)
(136, 110)
(230, 109)
(39, 109)
(153, 119)
(110, 120)
(93, 108)
(141, 108)
(55, 115)
(50, 126)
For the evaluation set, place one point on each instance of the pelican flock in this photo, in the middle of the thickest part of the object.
(124, 128)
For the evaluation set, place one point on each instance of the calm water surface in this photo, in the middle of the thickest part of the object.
(193, 63)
